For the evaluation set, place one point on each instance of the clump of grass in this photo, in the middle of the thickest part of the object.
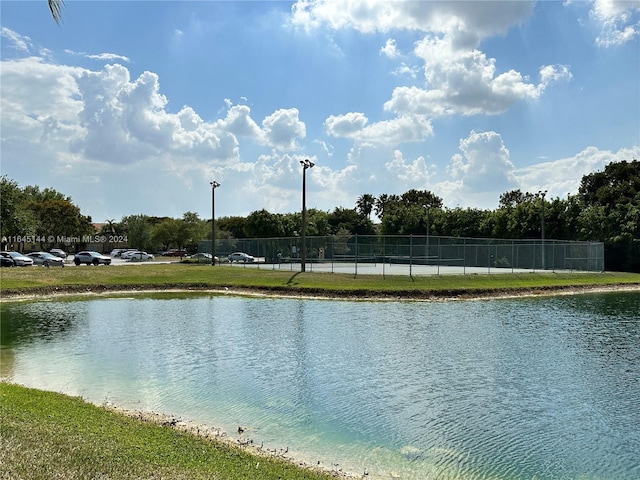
(49, 435)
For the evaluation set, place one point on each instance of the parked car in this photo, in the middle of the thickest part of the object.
(19, 259)
(58, 253)
(138, 256)
(126, 254)
(240, 257)
(203, 257)
(6, 261)
(46, 259)
(91, 258)
(176, 253)
(117, 252)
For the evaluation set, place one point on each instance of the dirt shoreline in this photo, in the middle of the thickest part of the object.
(240, 440)
(312, 293)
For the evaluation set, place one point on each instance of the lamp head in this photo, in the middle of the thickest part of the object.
(306, 163)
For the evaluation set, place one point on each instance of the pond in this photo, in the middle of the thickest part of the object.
(543, 388)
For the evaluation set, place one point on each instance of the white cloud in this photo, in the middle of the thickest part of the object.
(239, 122)
(109, 57)
(460, 79)
(619, 21)
(347, 125)
(20, 42)
(402, 129)
(415, 173)
(484, 164)
(283, 128)
(465, 82)
(563, 176)
(468, 21)
(390, 50)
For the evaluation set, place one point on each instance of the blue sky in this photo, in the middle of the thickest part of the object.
(134, 106)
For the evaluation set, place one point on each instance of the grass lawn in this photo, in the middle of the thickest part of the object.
(46, 435)
(162, 276)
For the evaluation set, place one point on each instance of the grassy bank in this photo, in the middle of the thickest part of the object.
(47, 435)
(162, 276)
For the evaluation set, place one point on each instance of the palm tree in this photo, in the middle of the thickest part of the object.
(365, 204)
(56, 9)
(381, 204)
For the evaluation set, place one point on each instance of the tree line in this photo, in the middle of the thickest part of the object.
(606, 209)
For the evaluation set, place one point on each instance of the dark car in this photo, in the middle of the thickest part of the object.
(91, 258)
(6, 261)
(176, 253)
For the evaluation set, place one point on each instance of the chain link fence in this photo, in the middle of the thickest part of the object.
(467, 255)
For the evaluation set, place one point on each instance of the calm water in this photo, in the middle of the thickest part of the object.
(544, 388)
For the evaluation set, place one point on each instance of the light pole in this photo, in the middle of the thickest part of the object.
(214, 185)
(306, 163)
(426, 251)
(542, 194)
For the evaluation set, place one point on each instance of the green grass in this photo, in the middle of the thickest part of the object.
(46, 435)
(163, 276)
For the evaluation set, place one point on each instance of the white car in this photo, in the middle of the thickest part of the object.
(117, 252)
(138, 256)
(240, 257)
(19, 259)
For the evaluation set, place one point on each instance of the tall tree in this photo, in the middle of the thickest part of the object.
(365, 204)
(233, 225)
(421, 198)
(15, 219)
(383, 203)
(348, 219)
(139, 231)
(59, 218)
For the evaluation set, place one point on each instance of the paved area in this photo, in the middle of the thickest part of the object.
(339, 267)
(379, 268)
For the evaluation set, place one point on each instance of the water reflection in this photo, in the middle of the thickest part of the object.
(525, 388)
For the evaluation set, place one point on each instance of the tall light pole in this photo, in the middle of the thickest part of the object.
(214, 185)
(426, 251)
(306, 163)
(542, 194)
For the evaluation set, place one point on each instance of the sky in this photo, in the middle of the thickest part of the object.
(134, 107)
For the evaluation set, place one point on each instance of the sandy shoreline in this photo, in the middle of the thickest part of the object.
(240, 440)
(407, 295)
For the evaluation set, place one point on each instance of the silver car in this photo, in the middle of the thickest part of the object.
(19, 259)
(240, 257)
(46, 259)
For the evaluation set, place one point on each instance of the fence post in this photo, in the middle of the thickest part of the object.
(512, 258)
(464, 255)
(356, 268)
(439, 256)
(410, 255)
(383, 254)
